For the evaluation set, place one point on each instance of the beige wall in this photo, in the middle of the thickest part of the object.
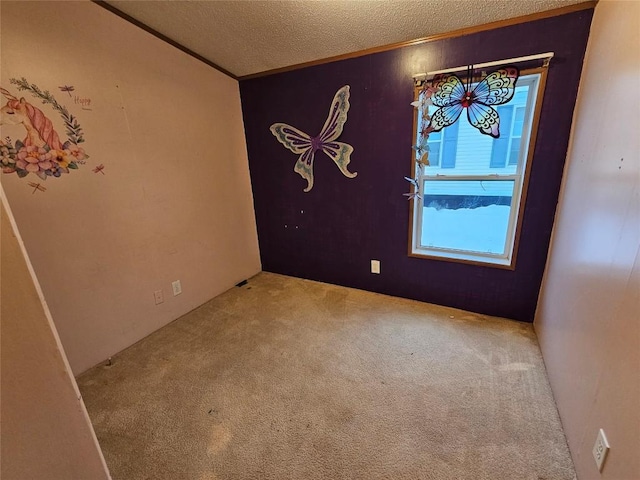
(175, 199)
(46, 433)
(588, 318)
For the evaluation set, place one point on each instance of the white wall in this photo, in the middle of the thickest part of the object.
(174, 200)
(588, 318)
(46, 433)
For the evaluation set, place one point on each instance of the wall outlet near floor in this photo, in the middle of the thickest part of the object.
(177, 288)
(375, 266)
(600, 449)
(158, 296)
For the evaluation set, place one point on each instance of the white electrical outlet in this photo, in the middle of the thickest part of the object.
(158, 296)
(375, 266)
(600, 449)
(177, 288)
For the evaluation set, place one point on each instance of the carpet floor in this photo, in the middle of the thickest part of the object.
(292, 379)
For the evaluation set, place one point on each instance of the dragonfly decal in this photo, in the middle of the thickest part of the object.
(37, 187)
(67, 88)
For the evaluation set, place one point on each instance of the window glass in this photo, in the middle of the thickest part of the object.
(500, 145)
(435, 144)
(468, 215)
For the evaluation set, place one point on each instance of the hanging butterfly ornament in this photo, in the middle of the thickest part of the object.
(452, 96)
(421, 148)
(415, 193)
(306, 146)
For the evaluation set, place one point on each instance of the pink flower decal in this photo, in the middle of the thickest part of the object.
(78, 153)
(34, 160)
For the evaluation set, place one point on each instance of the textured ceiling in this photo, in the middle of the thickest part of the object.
(246, 37)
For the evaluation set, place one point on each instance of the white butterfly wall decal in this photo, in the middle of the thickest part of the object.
(301, 143)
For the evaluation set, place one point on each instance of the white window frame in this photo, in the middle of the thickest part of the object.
(511, 137)
(536, 80)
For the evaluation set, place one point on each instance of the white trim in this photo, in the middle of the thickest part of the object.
(491, 176)
(527, 58)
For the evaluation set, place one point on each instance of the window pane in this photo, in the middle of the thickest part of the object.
(518, 124)
(500, 145)
(515, 151)
(435, 136)
(467, 215)
(434, 153)
(450, 147)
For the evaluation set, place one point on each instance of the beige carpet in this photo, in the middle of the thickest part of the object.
(292, 379)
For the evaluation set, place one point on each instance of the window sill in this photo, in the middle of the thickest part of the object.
(462, 257)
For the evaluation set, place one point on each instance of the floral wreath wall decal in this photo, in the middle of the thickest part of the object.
(41, 152)
(306, 146)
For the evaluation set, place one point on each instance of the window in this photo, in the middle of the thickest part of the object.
(472, 187)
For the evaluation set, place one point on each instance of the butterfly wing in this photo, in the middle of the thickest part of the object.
(298, 142)
(416, 189)
(498, 87)
(340, 153)
(412, 181)
(304, 167)
(484, 118)
(448, 95)
(421, 147)
(291, 137)
(445, 116)
(337, 116)
(448, 90)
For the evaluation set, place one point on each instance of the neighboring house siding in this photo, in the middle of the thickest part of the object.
(473, 156)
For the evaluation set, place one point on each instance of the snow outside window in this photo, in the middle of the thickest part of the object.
(473, 185)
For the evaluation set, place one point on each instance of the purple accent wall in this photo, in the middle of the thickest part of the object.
(331, 233)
